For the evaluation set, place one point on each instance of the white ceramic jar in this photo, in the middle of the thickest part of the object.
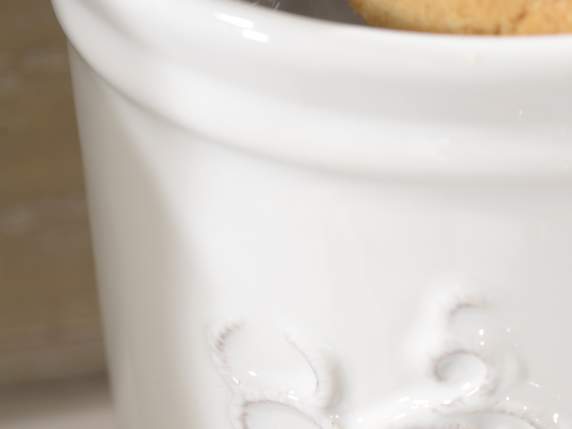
(308, 224)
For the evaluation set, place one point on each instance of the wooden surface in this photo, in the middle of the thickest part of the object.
(49, 323)
(76, 404)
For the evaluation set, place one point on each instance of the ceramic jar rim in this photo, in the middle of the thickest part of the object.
(417, 103)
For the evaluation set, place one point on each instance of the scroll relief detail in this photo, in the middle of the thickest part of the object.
(492, 384)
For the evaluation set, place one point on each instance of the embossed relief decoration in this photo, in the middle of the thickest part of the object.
(470, 375)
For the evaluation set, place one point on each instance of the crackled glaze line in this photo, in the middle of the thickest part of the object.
(313, 407)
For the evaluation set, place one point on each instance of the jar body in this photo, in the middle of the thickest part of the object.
(191, 234)
(275, 252)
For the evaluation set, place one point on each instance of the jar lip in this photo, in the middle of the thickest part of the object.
(238, 29)
(288, 22)
(173, 22)
(394, 102)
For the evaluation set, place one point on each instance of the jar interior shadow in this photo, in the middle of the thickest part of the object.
(330, 10)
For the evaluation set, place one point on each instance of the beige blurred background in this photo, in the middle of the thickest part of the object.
(49, 323)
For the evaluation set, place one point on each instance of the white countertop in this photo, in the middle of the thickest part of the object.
(77, 404)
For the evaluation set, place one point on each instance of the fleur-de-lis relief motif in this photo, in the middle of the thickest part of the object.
(313, 407)
(501, 389)
(490, 395)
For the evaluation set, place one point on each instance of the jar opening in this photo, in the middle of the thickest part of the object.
(326, 10)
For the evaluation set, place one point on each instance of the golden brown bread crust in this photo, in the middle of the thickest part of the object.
(469, 16)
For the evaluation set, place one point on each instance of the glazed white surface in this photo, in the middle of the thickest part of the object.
(336, 197)
(420, 104)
